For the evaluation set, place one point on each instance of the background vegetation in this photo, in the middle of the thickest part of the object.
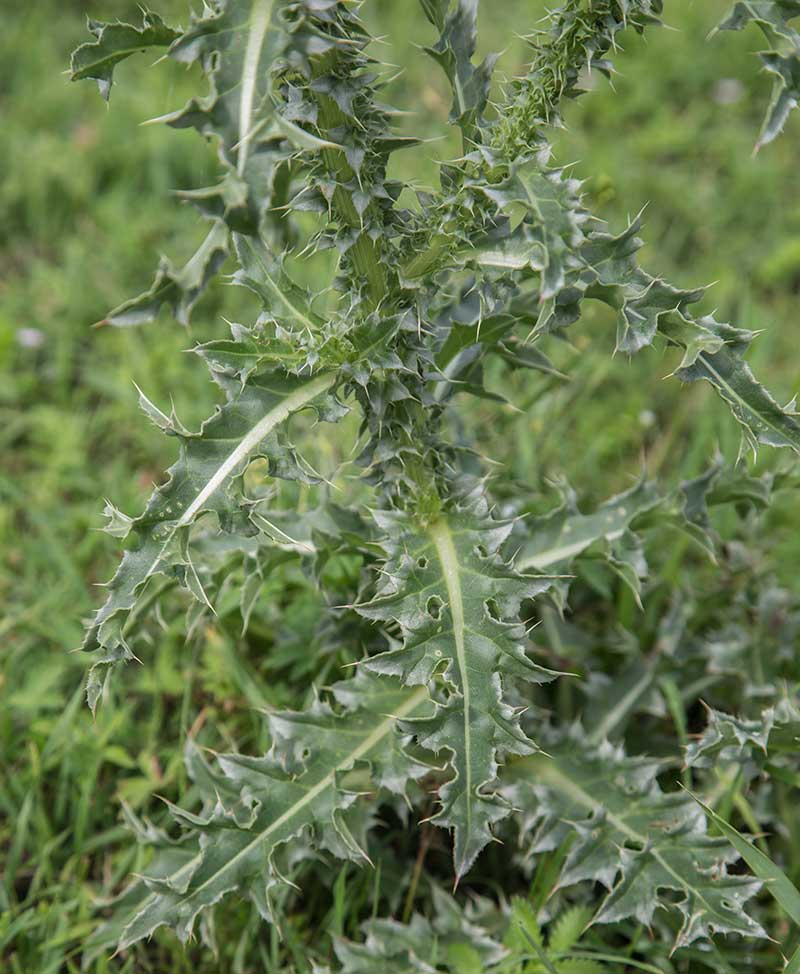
(85, 204)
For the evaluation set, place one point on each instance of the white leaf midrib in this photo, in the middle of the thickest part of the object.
(260, 17)
(744, 405)
(442, 538)
(280, 412)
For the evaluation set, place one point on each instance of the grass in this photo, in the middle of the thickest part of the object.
(86, 211)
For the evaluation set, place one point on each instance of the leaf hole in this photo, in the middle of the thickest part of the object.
(422, 563)
(434, 607)
(634, 845)
(493, 609)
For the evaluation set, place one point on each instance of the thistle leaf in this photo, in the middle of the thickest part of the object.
(114, 43)
(239, 44)
(206, 478)
(774, 878)
(254, 806)
(629, 835)
(783, 62)
(179, 289)
(457, 605)
(422, 946)
(771, 737)
(453, 52)
(713, 351)
(555, 539)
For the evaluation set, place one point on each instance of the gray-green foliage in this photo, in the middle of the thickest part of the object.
(425, 288)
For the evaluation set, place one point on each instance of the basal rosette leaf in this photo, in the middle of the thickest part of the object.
(456, 603)
(626, 833)
(463, 939)
(298, 794)
(207, 478)
(614, 529)
(553, 540)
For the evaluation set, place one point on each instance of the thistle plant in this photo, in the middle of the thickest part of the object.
(448, 596)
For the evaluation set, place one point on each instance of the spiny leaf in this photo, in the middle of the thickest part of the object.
(783, 62)
(178, 289)
(713, 351)
(774, 736)
(206, 478)
(453, 52)
(254, 806)
(453, 938)
(628, 835)
(239, 44)
(576, 37)
(552, 221)
(421, 297)
(555, 539)
(114, 43)
(613, 532)
(775, 880)
(457, 605)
